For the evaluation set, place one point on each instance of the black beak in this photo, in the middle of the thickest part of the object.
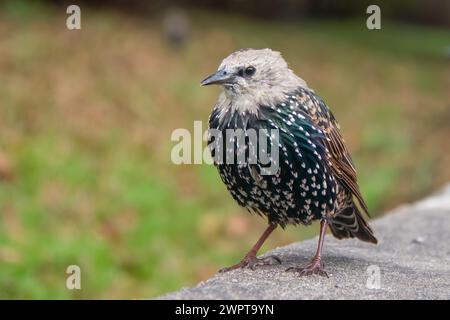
(220, 77)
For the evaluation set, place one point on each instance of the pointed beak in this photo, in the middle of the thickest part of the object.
(220, 77)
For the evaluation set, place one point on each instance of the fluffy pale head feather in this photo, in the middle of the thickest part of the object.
(271, 80)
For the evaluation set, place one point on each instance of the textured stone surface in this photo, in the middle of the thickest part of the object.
(413, 257)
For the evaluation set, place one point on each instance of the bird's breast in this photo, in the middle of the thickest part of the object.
(300, 189)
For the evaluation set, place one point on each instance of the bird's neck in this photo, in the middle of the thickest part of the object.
(239, 102)
(249, 102)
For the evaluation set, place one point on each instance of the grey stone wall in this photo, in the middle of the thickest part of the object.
(411, 261)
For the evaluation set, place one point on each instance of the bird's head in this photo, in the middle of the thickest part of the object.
(261, 74)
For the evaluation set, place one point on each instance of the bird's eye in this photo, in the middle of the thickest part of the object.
(249, 71)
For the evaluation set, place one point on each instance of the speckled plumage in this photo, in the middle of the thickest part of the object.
(304, 188)
(316, 179)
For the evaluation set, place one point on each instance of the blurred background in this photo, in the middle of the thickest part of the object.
(86, 118)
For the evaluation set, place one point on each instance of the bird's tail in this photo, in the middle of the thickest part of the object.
(349, 223)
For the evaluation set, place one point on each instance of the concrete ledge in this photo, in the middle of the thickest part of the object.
(413, 260)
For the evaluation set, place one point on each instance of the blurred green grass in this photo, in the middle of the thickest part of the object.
(85, 124)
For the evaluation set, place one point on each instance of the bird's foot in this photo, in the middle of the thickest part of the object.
(251, 262)
(314, 267)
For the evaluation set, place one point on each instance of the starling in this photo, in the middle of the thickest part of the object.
(316, 177)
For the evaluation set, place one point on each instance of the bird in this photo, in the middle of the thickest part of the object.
(315, 178)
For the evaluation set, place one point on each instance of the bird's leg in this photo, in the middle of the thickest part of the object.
(315, 266)
(250, 260)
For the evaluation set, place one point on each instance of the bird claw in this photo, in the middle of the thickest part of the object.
(314, 267)
(251, 262)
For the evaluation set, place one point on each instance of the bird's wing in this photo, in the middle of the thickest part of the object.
(341, 163)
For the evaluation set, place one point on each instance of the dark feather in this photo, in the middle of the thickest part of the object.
(341, 162)
(349, 223)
